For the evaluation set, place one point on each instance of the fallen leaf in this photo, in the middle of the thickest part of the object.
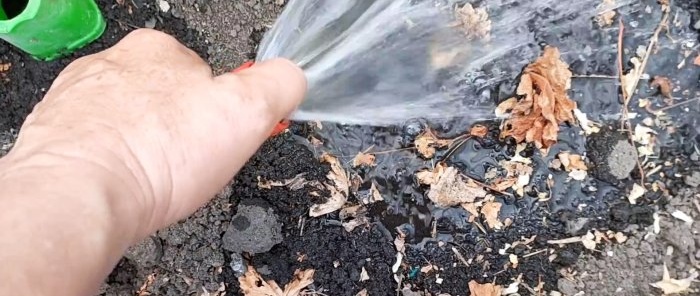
(620, 237)
(606, 17)
(374, 194)
(487, 289)
(589, 241)
(252, 284)
(646, 137)
(426, 143)
(339, 190)
(628, 80)
(545, 103)
(479, 131)
(362, 293)
(474, 22)
(295, 183)
(472, 209)
(428, 268)
(664, 84)
(315, 142)
(400, 242)
(490, 210)
(448, 187)
(504, 108)
(697, 61)
(572, 161)
(674, 286)
(352, 217)
(364, 276)
(517, 176)
(365, 159)
(589, 127)
(637, 192)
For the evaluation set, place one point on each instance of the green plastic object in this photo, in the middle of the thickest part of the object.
(49, 29)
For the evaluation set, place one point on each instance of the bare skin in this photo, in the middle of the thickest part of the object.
(126, 142)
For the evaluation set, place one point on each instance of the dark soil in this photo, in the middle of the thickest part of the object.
(188, 258)
(27, 81)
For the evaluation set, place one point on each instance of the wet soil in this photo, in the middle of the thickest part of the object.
(188, 258)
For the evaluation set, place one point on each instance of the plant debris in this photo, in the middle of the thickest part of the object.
(296, 183)
(545, 103)
(252, 284)
(479, 131)
(646, 138)
(364, 159)
(683, 217)
(364, 276)
(474, 22)
(4, 67)
(674, 286)
(448, 187)
(664, 85)
(426, 143)
(490, 210)
(574, 164)
(339, 190)
(487, 289)
(517, 174)
(353, 216)
(143, 290)
(606, 17)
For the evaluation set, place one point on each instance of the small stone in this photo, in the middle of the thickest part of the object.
(147, 253)
(254, 229)
(692, 180)
(574, 226)
(697, 25)
(566, 287)
(614, 158)
(237, 264)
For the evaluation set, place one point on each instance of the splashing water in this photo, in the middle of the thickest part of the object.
(380, 62)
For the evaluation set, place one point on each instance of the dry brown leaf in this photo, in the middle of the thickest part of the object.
(606, 17)
(4, 67)
(487, 289)
(697, 60)
(545, 103)
(315, 142)
(479, 131)
(448, 187)
(352, 217)
(252, 284)
(673, 286)
(143, 290)
(474, 22)
(572, 161)
(362, 293)
(504, 108)
(339, 190)
(296, 183)
(517, 176)
(472, 209)
(426, 143)
(490, 210)
(374, 194)
(365, 159)
(664, 84)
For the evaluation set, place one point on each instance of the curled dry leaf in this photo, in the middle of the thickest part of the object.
(589, 127)
(339, 190)
(664, 85)
(605, 18)
(352, 217)
(646, 137)
(628, 80)
(504, 108)
(426, 143)
(572, 161)
(365, 159)
(448, 187)
(252, 284)
(517, 176)
(545, 103)
(488, 289)
(474, 22)
(673, 286)
(362, 293)
(490, 210)
(479, 131)
(295, 183)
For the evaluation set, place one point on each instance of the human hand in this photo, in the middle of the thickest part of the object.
(149, 115)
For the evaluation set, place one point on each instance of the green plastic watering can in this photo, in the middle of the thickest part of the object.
(49, 29)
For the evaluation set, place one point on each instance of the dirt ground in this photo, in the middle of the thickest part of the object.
(197, 257)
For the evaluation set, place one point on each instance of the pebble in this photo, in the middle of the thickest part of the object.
(692, 180)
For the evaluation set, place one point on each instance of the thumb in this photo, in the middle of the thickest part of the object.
(278, 83)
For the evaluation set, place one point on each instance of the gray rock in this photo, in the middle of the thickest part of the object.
(692, 180)
(237, 264)
(566, 287)
(612, 155)
(254, 229)
(147, 253)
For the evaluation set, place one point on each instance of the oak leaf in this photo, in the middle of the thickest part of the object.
(252, 284)
(426, 143)
(487, 289)
(544, 103)
(448, 187)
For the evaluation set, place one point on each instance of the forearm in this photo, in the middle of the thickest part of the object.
(64, 224)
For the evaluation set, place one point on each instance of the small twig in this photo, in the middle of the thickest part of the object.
(481, 227)
(534, 253)
(654, 170)
(460, 257)
(697, 204)
(570, 240)
(656, 111)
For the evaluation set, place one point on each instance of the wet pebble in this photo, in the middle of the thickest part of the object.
(254, 229)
